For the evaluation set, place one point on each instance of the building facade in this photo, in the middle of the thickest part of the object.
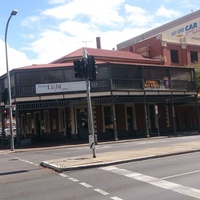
(132, 97)
(175, 43)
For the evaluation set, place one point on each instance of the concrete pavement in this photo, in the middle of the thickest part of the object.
(110, 158)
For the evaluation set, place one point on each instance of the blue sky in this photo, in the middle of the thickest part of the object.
(45, 30)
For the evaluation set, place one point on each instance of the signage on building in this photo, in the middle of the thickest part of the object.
(152, 84)
(157, 84)
(190, 28)
(60, 87)
(185, 33)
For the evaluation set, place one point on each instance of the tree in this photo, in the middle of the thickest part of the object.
(197, 75)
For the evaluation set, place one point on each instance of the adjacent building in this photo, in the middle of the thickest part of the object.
(175, 43)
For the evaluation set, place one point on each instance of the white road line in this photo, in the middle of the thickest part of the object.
(101, 191)
(183, 174)
(86, 185)
(29, 162)
(116, 198)
(63, 175)
(192, 192)
(26, 161)
(73, 179)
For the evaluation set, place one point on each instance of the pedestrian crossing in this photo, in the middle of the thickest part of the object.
(188, 191)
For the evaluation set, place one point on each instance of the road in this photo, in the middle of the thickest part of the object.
(174, 177)
(129, 145)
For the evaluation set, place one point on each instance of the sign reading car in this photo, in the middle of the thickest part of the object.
(189, 27)
(60, 87)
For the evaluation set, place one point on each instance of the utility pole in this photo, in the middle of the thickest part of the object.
(90, 117)
(86, 69)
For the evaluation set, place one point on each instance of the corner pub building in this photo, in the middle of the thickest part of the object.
(132, 97)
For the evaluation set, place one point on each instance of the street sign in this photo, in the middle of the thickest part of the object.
(10, 106)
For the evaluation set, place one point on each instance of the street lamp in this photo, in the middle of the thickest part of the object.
(14, 12)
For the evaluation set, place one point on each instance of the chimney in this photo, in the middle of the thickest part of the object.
(98, 41)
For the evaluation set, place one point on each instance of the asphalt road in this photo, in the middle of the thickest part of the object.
(71, 151)
(175, 177)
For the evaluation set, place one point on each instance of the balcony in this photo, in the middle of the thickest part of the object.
(117, 84)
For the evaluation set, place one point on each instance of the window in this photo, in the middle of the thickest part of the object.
(174, 56)
(129, 118)
(62, 124)
(155, 73)
(107, 117)
(29, 123)
(124, 72)
(193, 56)
(181, 74)
(46, 121)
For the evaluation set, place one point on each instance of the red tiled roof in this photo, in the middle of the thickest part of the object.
(107, 55)
(50, 65)
(101, 56)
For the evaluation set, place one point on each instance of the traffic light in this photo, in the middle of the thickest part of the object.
(5, 113)
(80, 69)
(92, 68)
(4, 96)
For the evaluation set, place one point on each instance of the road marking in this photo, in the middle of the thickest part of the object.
(26, 161)
(183, 174)
(116, 198)
(86, 185)
(73, 179)
(192, 192)
(63, 175)
(101, 191)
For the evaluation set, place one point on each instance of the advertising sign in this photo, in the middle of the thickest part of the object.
(60, 87)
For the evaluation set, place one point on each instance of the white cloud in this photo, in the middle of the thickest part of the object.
(138, 16)
(56, 1)
(94, 10)
(28, 36)
(15, 58)
(29, 21)
(166, 12)
(78, 29)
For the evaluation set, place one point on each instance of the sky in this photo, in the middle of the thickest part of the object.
(44, 30)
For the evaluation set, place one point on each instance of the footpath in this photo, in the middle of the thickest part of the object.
(117, 157)
(111, 158)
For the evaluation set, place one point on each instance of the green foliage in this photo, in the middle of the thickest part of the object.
(197, 75)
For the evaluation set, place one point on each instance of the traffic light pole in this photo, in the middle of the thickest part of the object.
(90, 117)
(91, 124)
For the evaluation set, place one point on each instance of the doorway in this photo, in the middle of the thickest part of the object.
(37, 125)
(82, 123)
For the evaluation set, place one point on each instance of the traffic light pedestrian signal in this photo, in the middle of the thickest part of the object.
(92, 68)
(85, 68)
(4, 96)
(80, 69)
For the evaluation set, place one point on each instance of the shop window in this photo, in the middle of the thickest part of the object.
(107, 117)
(46, 122)
(23, 125)
(193, 56)
(62, 124)
(29, 123)
(129, 118)
(174, 56)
